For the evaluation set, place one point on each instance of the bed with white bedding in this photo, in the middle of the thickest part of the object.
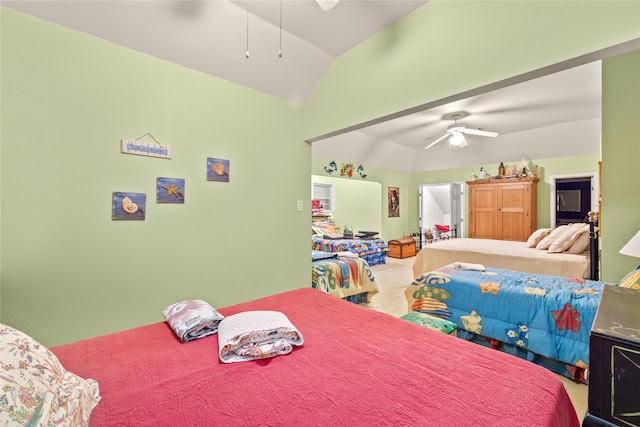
(505, 254)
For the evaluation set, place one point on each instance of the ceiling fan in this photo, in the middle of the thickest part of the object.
(456, 131)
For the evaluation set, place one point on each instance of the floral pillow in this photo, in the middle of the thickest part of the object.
(37, 390)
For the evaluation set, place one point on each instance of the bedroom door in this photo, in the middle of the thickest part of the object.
(440, 204)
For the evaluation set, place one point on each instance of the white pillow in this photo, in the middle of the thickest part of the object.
(568, 238)
(553, 235)
(38, 387)
(536, 236)
(581, 244)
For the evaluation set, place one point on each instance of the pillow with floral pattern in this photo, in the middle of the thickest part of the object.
(36, 389)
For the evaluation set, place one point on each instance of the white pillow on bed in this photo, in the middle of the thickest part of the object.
(553, 235)
(568, 237)
(581, 244)
(537, 236)
(37, 388)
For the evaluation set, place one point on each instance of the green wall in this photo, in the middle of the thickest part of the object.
(620, 161)
(68, 270)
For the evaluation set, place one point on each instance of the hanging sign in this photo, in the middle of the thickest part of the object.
(150, 149)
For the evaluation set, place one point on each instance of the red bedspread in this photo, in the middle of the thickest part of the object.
(356, 367)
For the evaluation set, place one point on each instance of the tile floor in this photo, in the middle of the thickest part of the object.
(394, 277)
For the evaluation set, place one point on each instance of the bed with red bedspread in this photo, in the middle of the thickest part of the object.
(357, 366)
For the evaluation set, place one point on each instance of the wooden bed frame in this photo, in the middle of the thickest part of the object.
(357, 367)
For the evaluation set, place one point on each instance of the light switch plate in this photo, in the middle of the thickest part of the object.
(299, 205)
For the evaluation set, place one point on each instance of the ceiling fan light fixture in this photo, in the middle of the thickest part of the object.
(457, 139)
(327, 4)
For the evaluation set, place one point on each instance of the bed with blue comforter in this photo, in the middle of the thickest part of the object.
(541, 318)
(349, 278)
(373, 250)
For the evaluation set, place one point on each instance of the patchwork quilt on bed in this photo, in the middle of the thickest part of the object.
(547, 315)
(343, 277)
(374, 251)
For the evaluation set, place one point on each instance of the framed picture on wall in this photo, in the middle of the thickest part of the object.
(128, 206)
(217, 169)
(170, 190)
(393, 195)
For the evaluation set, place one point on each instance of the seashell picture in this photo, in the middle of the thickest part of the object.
(170, 190)
(128, 206)
(217, 170)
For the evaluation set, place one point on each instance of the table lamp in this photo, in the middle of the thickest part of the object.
(632, 248)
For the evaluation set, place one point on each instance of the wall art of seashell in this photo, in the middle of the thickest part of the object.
(128, 206)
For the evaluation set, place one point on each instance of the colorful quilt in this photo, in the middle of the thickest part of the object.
(374, 251)
(343, 277)
(546, 315)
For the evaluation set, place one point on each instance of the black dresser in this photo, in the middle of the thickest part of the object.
(614, 365)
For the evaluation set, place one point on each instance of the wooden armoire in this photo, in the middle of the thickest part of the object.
(503, 209)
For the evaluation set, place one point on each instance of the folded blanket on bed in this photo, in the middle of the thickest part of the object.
(318, 255)
(468, 266)
(254, 335)
(346, 254)
(192, 319)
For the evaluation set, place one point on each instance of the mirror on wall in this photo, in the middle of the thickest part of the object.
(355, 202)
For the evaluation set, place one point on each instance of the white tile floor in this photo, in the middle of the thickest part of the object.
(394, 277)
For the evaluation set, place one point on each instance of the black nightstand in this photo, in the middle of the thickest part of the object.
(614, 378)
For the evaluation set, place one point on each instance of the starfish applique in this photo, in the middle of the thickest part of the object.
(567, 318)
(490, 287)
(172, 189)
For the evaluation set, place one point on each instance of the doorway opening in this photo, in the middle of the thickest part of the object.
(440, 205)
(572, 198)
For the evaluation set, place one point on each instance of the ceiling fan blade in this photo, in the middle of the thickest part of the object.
(437, 140)
(327, 4)
(479, 132)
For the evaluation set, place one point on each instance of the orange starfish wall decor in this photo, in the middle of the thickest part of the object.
(170, 190)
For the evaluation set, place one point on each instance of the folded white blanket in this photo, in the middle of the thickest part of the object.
(468, 266)
(346, 254)
(192, 319)
(254, 335)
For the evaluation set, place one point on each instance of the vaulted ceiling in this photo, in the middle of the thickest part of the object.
(284, 47)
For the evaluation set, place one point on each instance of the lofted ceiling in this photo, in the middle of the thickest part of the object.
(550, 116)
(213, 36)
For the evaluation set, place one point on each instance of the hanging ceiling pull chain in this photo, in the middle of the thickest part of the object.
(247, 52)
(280, 50)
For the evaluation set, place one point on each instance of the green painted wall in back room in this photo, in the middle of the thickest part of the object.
(68, 270)
(393, 228)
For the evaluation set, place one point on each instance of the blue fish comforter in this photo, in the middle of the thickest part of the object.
(547, 315)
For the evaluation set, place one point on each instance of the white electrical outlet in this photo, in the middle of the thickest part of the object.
(299, 205)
